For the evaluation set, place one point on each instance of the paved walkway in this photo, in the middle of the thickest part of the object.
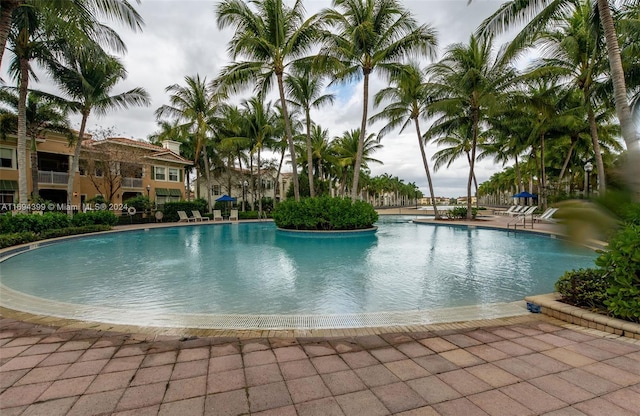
(536, 366)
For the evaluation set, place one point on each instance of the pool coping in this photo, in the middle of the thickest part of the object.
(550, 304)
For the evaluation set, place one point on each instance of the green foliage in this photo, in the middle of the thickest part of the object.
(458, 213)
(63, 232)
(171, 209)
(101, 217)
(13, 239)
(98, 199)
(324, 213)
(21, 223)
(584, 288)
(621, 264)
(141, 203)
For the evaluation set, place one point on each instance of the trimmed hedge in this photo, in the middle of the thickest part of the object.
(170, 209)
(21, 223)
(585, 288)
(14, 239)
(324, 213)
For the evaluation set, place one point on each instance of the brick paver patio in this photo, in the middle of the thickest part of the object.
(539, 366)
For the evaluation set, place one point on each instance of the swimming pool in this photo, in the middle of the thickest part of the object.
(155, 276)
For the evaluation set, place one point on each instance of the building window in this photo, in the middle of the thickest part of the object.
(82, 167)
(7, 197)
(174, 175)
(160, 173)
(215, 190)
(7, 158)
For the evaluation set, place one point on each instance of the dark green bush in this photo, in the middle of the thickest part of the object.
(35, 223)
(14, 239)
(101, 217)
(63, 232)
(461, 213)
(584, 288)
(324, 213)
(141, 203)
(621, 264)
(171, 209)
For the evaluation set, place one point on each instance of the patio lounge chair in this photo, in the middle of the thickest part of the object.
(217, 215)
(509, 211)
(183, 217)
(546, 216)
(528, 211)
(233, 216)
(517, 210)
(198, 217)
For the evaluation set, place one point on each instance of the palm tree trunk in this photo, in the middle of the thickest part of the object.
(574, 141)
(629, 133)
(259, 187)
(75, 161)
(543, 180)
(472, 163)
(275, 201)
(6, 10)
(33, 154)
(23, 195)
(207, 177)
(363, 127)
(426, 168)
(597, 153)
(312, 191)
(289, 135)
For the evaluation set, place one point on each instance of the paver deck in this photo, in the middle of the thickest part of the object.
(537, 366)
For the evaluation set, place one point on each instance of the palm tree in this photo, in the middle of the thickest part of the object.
(271, 38)
(42, 114)
(347, 148)
(85, 16)
(537, 14)
(305, 92)
(467, 85)
(367, 36)
(195, 106)
(409, 95)
(88, 79)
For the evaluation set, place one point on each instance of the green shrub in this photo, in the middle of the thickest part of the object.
(63, 232)
(584, 288)
(35, 223)
(621, 264)
(458, 213)
(171, 209)
(102, 217)
(141, 203)
(14, 239)
(324, 213)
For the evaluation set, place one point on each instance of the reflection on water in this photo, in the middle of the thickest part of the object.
(253, 269)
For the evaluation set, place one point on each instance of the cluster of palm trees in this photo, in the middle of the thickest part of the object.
(545, 118)
(70, 41)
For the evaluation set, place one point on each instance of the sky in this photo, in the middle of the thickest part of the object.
(180, 38)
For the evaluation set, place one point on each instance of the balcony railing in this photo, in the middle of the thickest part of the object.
(131, 182)
(52, 177)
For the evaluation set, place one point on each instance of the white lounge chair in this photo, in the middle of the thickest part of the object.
(217, 215)
(516, 211)
(183, 217)
(233, 216)
(546, 216)
(528, 211)
(198, 217)
(509, 211)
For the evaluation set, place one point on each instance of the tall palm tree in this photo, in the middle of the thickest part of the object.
(305, 92)
(195, 106)
(42, 114)
(88, 79)
(366, 36)
(467, 86)
(409, 95)
(347, 148)
(270, 38)
(85, 16)
(536, 14)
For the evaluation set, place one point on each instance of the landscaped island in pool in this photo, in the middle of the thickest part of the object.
(149, 275)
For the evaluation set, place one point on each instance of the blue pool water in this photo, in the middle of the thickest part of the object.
(254, 269)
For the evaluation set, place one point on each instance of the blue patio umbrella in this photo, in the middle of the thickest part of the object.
(525, 194)
(226, 198)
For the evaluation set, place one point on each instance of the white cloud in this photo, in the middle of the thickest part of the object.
(181, 38)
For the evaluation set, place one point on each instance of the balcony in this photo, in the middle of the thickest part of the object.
(53, 177)
(131, 182)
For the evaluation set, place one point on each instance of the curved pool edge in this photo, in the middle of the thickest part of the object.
(21, 302)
